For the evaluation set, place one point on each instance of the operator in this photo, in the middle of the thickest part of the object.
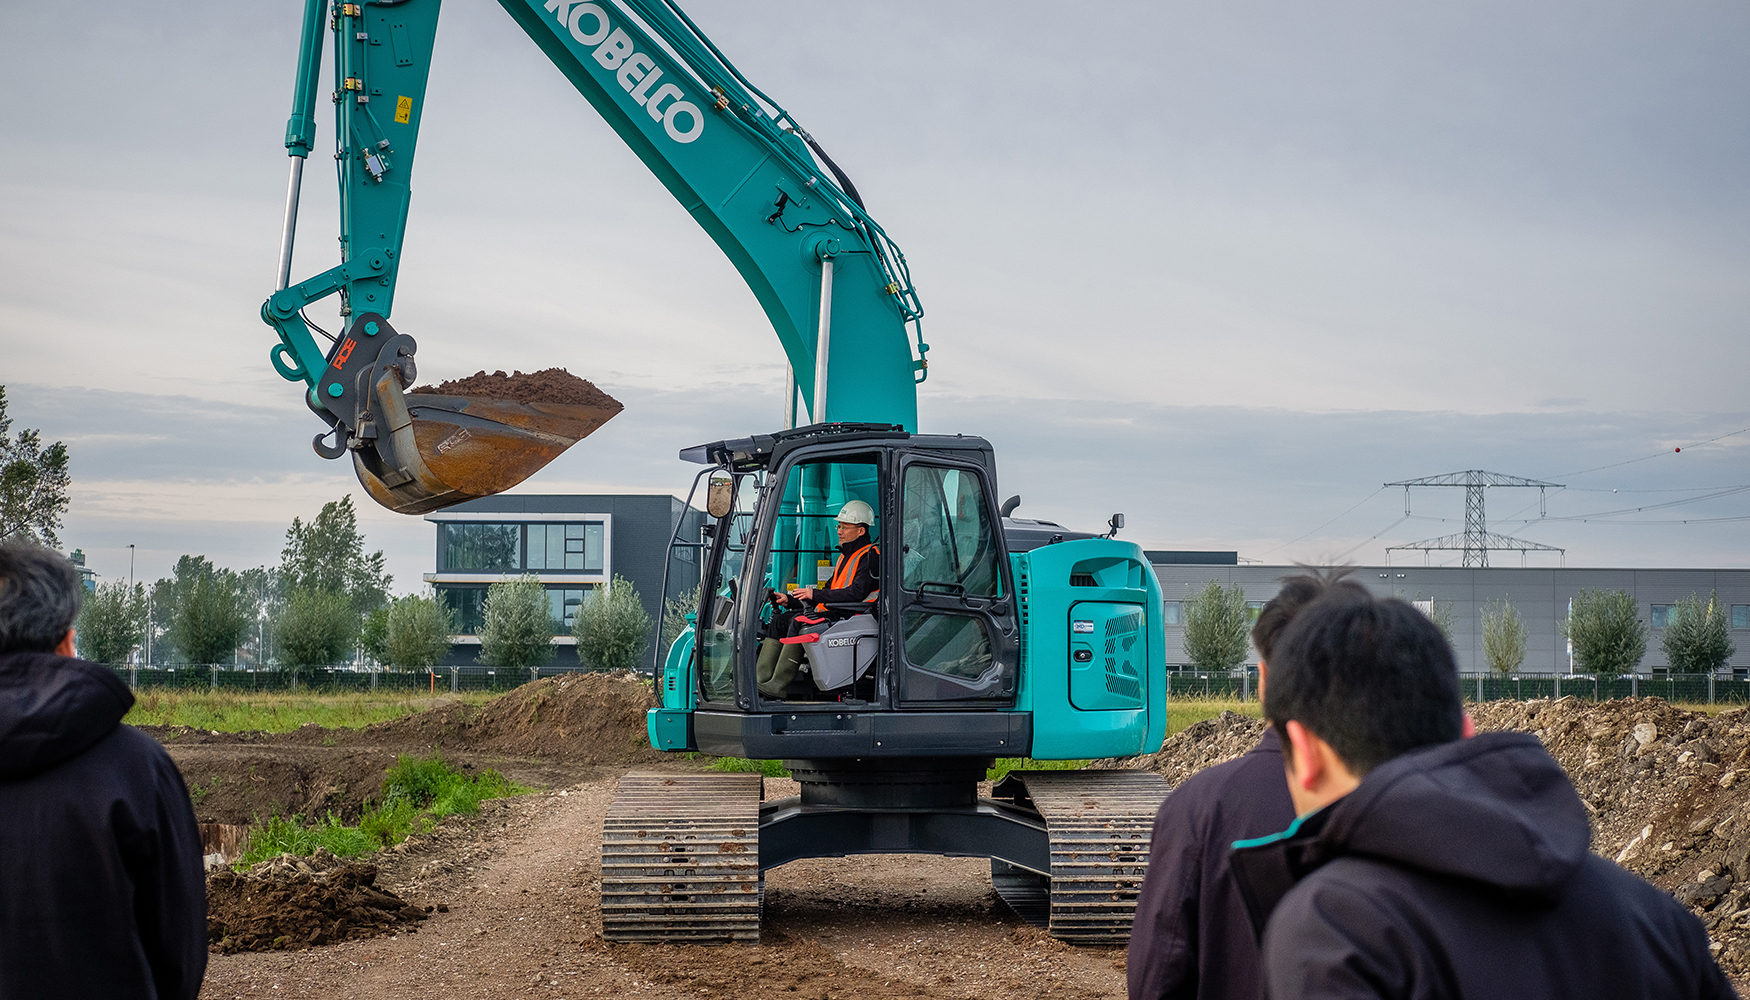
(856, 579)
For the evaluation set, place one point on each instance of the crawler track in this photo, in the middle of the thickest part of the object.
(1099, 824)
(680, 859)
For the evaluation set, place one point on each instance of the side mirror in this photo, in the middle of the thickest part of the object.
(1115, 523)
(720, 496)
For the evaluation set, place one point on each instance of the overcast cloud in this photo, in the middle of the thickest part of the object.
(1225, 268)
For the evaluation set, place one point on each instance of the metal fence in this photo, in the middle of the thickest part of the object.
(333, 680)
(1241, 685)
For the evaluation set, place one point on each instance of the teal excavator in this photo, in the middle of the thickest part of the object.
(989, 637)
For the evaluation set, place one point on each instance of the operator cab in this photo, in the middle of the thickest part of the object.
(941, 633)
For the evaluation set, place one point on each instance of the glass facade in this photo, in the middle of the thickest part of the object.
(1661, 615)
(467, 603)
(1170, 613)
(572, 547)
(1741, 616)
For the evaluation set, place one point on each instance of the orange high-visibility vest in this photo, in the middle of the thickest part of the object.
(846, 571)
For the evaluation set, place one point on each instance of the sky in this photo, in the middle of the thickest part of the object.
(1225, 268)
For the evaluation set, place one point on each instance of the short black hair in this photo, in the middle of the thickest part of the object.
(1372, 677)
(1296, 593)
(39, 598)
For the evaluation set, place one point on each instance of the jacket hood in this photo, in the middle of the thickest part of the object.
(1496, 809)
(52, 708)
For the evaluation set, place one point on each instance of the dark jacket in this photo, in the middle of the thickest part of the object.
(1191, 936)
(864, 581)
(1462, 870)
(101, 888)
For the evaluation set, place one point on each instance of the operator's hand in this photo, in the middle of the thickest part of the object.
(778, 598)
(804, 594)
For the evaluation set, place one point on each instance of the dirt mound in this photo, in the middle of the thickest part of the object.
(1196, 747)
(598, 718)
(295, 903)
(244, 783)
(550, 385)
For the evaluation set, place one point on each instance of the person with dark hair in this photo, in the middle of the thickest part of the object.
(102, 892)
(1191, 936)
(1422, 864)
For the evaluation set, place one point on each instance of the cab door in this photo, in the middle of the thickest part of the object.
(959, 645)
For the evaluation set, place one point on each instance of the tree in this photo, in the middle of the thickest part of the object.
(33, 484)
(612, 627)
(262, 599)
(1438, 612)
(374, 634)
(418, 632)
(1503, 637)
(211, 616)
(1607, 636)
(315, 628)
(1217, 624)
(112, 622)
(328, 554)
(516, 628)
(1696, 641)
(674, 618)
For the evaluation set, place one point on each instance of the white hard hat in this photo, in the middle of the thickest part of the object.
(857, 512)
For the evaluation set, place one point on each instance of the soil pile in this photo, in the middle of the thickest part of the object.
(550, 385)
(598, 718)
(1196, 747)
(298, 902)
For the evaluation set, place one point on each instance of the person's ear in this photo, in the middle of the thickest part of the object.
(1470, 726)
(1263, 675)
(1306, 765)
(66, 646)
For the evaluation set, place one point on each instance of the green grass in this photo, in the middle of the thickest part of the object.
(1182, 712)
(417, 793)
(1006, 764)
(741, 765)
(278, 712)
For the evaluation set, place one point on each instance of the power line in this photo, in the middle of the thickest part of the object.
(1656, 454)
(1327, 524)
(1376, 534)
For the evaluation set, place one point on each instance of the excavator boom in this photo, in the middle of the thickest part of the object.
(833, 286)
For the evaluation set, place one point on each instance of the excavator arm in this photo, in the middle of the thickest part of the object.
(834, 287)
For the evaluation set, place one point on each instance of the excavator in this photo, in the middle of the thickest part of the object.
(990, 636)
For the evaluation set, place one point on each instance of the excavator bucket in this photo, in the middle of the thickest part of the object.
(427, 449)
(441, 450)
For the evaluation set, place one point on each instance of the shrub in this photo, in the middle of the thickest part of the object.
(315, 628)
(1503, 637)
(1607, 635)
(1217, 624)
(112, 622)
(1696, 641)
(612, 627)
(418, 631)
(516, 629)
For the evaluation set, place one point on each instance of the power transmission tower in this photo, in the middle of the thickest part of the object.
(1477, 540)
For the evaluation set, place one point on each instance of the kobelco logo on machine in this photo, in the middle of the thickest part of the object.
(588, 23)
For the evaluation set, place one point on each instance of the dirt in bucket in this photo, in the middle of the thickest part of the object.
(550, 385)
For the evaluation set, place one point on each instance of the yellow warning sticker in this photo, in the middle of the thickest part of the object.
(403, 109)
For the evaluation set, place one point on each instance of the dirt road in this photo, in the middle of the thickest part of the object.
(521, 882)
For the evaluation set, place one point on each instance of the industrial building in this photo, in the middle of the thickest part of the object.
(1540, 594)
